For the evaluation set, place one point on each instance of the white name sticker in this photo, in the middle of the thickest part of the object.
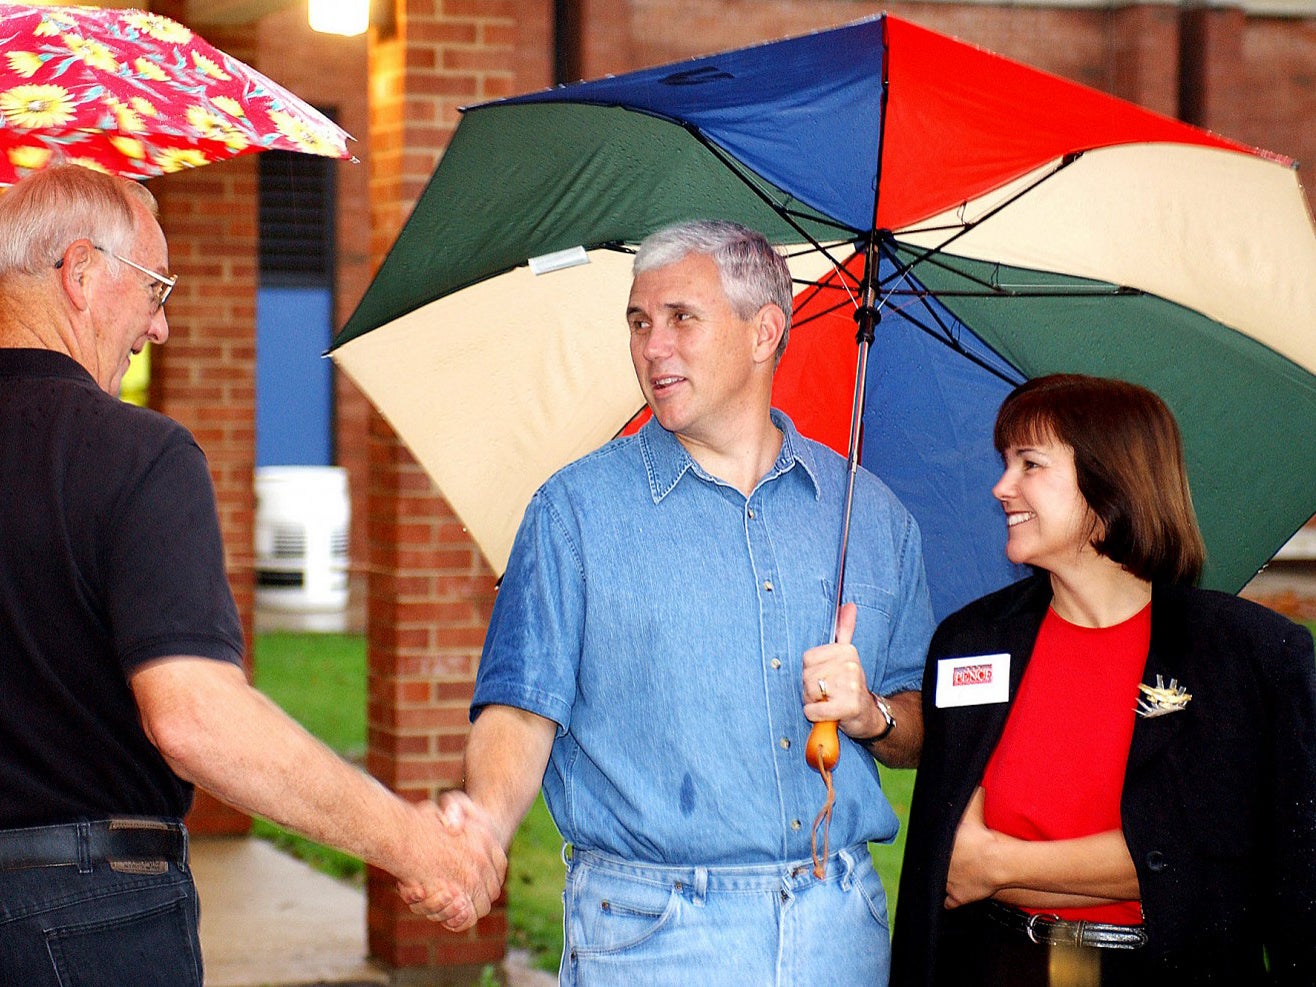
(974, 680)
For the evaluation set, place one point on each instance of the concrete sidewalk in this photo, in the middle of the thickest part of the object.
(269, 920)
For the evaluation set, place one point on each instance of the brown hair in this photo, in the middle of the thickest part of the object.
(1129, 458)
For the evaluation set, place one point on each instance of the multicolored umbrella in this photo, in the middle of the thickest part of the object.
(988, 221)
(136, 94)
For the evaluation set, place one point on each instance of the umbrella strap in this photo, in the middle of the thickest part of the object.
(824, 819)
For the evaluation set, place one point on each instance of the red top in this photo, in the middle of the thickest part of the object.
(1058, 770)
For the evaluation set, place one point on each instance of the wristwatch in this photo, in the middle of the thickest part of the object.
(884, 708)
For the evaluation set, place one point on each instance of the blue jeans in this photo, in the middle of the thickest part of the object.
(763, 925)
(99, 928)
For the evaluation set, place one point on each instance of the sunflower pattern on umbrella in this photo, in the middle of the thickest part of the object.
(137, 94)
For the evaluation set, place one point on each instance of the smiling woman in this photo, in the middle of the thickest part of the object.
(1048, 520)
(1195, 808)
(1121, 488)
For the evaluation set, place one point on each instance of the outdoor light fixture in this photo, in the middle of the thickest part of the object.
(349, 17)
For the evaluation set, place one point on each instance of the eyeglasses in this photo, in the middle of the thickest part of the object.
(164, 283)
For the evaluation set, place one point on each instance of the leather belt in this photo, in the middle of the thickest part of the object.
(137, 844)
(1051, 930)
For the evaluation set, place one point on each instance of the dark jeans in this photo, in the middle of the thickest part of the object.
(977, 951)
(102, 928)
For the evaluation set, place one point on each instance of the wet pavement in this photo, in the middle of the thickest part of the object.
(269, 920)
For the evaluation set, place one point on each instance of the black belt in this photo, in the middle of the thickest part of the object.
(1051, 930)
(136, 844)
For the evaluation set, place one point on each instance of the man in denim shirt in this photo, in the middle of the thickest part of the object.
(657, 654)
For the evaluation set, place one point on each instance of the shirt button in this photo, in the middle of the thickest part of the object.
(784, 743)
(775, 663)
(795, 824)
(767, 585)
(751, 513)
(1156, 861)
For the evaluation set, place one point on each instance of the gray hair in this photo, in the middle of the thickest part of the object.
(45, 212)
(753, 273)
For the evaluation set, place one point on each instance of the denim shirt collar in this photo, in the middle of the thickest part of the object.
(666, 460)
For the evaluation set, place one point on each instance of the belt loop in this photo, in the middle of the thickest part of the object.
(568, 855)
(847, 875)
(183, 864)
(700, 888)
(84, 847)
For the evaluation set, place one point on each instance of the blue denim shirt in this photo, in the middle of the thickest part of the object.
(659, 617)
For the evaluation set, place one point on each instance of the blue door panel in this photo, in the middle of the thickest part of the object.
(294, 383)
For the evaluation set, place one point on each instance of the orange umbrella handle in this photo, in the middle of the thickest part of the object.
(822, 751)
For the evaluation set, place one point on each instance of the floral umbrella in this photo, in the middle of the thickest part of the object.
(136, 94)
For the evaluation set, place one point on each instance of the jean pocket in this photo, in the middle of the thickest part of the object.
(610, 914)
(870, 888)
(149, 947)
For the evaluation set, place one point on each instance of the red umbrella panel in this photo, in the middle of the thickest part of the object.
(136, 94)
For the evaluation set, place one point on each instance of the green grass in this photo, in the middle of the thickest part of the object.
(535, 876)
(320, 680)
(899, 786)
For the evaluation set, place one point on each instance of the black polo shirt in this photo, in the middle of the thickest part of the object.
(110, 556)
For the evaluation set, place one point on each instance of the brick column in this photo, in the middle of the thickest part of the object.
(430, 590)
(428, 605)
(1211, 68)
(1144, 53)
(205, 375)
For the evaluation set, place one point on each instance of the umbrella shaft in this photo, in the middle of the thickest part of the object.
(852, 468)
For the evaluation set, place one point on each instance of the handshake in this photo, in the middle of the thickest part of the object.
(458, 862)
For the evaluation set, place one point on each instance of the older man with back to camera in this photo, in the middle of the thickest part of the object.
(121, 680)
(660, 644)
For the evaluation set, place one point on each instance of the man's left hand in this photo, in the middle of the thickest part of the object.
(835, 686)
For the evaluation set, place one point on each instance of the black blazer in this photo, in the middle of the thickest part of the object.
(1219, 800)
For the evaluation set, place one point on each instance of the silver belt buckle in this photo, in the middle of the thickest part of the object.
(1031, 927)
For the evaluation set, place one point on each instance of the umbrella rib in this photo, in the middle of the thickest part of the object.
(845, 281)
(995, 289)
(946, 335)
(847, 303)
(968, 226)
(789, 214)
(946, 338)
(1077, 292)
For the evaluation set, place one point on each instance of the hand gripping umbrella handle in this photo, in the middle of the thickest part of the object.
(823, 748)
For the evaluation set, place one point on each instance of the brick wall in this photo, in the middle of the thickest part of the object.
(1276, 92)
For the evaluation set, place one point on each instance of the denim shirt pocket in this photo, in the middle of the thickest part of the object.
(876, 607)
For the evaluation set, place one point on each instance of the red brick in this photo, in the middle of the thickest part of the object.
(479, 8)
(483, 60)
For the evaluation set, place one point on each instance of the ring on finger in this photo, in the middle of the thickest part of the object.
(822, 689)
